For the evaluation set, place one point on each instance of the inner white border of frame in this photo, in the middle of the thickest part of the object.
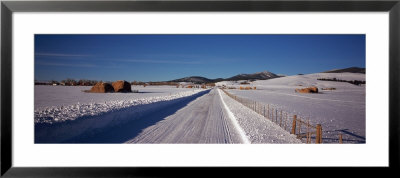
(373, 153)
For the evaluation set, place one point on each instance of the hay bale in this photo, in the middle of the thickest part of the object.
(102, 87)
(121, 86)
(307, 90)
(313, 89)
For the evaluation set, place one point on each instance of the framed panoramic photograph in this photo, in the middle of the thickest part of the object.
(199, 88)
(141, 88)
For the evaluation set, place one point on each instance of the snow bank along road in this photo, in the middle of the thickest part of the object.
(205, 120)
(339, 111)
(207, 117)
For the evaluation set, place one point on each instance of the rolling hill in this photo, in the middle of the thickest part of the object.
(350, 70)
(255, 76)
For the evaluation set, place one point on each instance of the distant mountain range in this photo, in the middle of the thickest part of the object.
(256, 76)
(194, 79)
(350, 69)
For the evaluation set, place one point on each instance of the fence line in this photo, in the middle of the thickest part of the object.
(310, 132)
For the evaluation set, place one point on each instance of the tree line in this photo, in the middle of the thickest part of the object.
(354, 82)
(69, 82)
(85, 82)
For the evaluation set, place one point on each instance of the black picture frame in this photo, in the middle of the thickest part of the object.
(8, 7)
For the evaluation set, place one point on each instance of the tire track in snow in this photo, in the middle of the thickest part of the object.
(204, 120)
(257, 128)
(234, 121)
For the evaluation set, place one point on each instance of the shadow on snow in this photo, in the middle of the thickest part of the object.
(112, 127)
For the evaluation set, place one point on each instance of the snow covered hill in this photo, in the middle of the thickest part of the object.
(259, 75)
(340, 111)
(348, 70)
(194, 79)
(166, 114)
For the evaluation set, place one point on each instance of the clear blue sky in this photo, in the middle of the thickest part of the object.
(168, 57)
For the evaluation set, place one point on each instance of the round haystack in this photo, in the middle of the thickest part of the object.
(102, 87)
(121, 86)
(313, 89)
(307, 90)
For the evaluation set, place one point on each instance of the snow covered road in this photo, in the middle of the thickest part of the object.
(205, 120)
(209, 119)
(204, 116)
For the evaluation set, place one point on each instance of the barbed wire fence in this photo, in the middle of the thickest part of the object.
(298, 125)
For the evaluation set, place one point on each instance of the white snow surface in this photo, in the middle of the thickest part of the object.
(234, 121)
(203, 120)
(120, 121)
(46, 96)
(257, 128)
(62, 103)
(214, 118)
(166, 114)
(340, 111)
(199, 116)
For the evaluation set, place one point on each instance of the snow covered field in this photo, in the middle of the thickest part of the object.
(60, 103)
(48, 96)
(339, 111)
(188, 116)
(256, 128)
(166, 114)
(66, 112)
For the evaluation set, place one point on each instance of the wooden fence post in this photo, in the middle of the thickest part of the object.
(308, 130)
(299, 131)
(294, 124)
(264, 112)
(258, 108)
(319, 134)
(340, 139)
(272, 114)
(285, 119)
